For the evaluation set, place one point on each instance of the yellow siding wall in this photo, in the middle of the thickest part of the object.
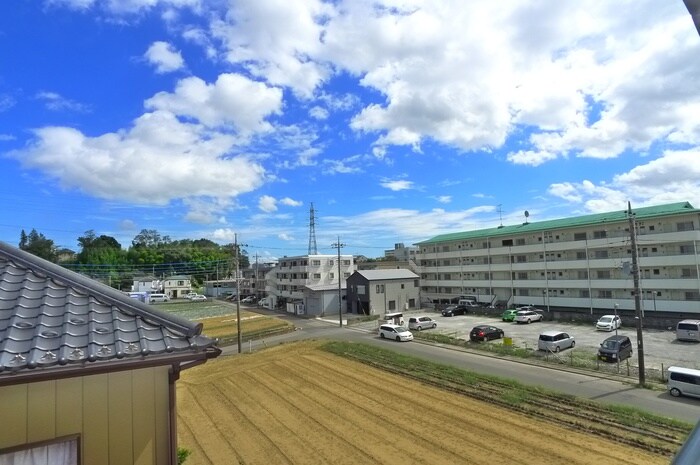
(122, 418)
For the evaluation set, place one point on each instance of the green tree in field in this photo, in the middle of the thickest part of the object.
(102, 250)
(39, 245)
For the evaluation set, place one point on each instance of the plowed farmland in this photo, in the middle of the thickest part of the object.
(298, 404)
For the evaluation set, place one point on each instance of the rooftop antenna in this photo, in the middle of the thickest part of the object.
(500, 215)
(312, 231)
(527, 215)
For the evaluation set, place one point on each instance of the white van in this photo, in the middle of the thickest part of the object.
(688, 330)
(683, 382)
(158, 298)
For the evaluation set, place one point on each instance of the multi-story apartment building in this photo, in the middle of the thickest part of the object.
(287, 280)
(579, 263)
(253, 282)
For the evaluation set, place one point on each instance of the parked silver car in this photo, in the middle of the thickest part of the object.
(421, 322)
(554, 341)
(528, 316)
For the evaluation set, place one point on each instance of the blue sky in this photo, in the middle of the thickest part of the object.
(399, 120)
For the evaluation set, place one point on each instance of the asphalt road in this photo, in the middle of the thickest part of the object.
(608, 390)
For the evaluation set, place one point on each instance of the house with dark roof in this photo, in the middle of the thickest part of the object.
(378, 292)
(87, 374)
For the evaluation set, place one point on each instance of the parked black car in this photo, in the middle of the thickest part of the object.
(452, 310)
(485, 333)
(615, 348)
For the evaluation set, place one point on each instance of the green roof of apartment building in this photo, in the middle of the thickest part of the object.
(586, 220)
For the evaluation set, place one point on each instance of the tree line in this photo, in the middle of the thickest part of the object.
(150, 253)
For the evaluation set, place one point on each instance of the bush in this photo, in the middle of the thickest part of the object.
(182, 455)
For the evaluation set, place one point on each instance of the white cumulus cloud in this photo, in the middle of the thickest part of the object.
(164, 57)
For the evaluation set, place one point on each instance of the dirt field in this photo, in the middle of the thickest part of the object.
(295, 404)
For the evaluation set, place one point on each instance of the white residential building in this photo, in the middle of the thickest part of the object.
(578, 263)
(286, 282)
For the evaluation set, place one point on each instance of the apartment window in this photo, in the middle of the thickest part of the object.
(580, 236)
(692, 295)
(402, 286)
(346, 262)
(601, 254)
(584, 293)
(346, 275)
(602, 274)
(447, 277)
(361, 290)
(684, 226)
(392, 305)
(604, 294)
(580, 255)
(522, 275)
(582, 274)
(600, 234)
(331, 275)
(330, 262)
(521, 259)
(524, 292)
(656, 271)
(507, 242)
(686, 250)
(689, 273)
(520, 241)
(316, 262)
(317, 275)
(380, 289)
(416, 283)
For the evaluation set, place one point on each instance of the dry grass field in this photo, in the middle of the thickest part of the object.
(297, 404)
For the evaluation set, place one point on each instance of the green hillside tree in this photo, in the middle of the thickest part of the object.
(39, 245)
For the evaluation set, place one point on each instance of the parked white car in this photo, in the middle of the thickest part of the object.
(190, 294)
(608, 323)
(528, 316)
(198, 297)
(395, 332)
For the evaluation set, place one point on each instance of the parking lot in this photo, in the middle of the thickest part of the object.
(661, 349)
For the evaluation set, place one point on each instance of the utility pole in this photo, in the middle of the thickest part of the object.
(637, 296)
(338, 245)
(257, 278)
(238, 292)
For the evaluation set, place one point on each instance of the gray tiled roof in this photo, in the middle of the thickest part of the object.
(398, 273)
(51, 316)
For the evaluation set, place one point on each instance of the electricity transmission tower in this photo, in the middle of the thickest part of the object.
(312, 231)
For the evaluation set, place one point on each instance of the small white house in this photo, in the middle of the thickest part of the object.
(147, 284)
(177, 286)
